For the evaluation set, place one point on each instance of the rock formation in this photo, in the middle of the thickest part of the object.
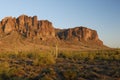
(79, 34)
(28, 27)
(32, 28)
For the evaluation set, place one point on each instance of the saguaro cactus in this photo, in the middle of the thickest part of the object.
(56, 50)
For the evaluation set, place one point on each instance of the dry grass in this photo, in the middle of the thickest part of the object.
(70, 65)
(92, 55)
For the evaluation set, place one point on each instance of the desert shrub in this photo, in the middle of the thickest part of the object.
(19, 72)
(31, 55)
(4, 69)
(49, 71)
(91, 55)
(69, 74)
(46, 77)
(5, 55)
(108, 55)
(44, 59)
(47, 74)
(24, 65)
(69, 55)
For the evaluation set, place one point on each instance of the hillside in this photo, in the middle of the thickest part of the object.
(26, 33)
(32, 49)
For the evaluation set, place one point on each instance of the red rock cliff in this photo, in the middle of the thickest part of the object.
(31, 27)
(79, 34)
(28, 27)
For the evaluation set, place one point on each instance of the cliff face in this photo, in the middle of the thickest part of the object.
(28, 27)
(31, 27)
(82, 34)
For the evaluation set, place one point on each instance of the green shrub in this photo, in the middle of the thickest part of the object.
(91, 55)
(44, 59)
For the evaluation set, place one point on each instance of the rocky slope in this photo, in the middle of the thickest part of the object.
(42, 30)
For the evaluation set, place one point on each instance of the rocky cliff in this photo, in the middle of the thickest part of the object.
(29, 27)
(81, 34)
(32, 28)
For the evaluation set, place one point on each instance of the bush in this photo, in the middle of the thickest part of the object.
(44, 59)
(4, 69)
(70, 74)
(92, 55)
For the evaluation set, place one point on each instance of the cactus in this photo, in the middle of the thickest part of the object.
(56, 50)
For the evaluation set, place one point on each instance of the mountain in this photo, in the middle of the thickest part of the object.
(25, 31)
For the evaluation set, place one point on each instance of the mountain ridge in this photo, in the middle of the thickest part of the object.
(42, 31)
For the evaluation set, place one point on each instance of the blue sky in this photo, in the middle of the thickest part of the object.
(100, 15)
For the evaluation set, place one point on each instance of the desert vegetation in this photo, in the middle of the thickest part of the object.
(68, 65)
